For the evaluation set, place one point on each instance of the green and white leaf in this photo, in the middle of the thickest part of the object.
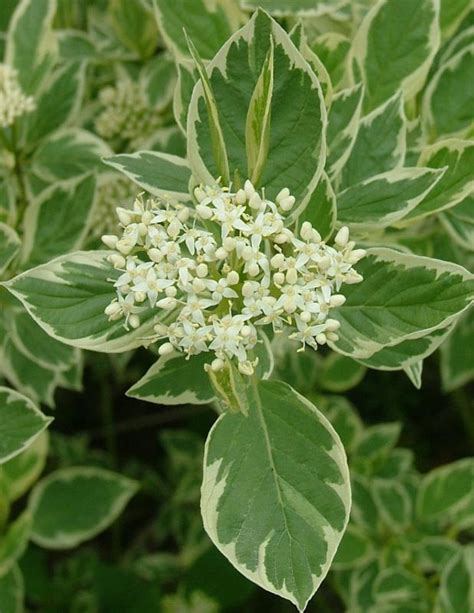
(376, 442)
(10, 244)
(159, 81)
(275, 497)
(21, 422)
(382, 133)
(69, 153)
(76, 45)
(296, 150)
(398, 589)
(457, 356)
(459, 222)
(355, 550)
(456, 591)
(384, 199)
(402, 297)
(332, 48)
(393, 502)
(134, 26)
(13, 542)
(12, 591)
(186, 80)
(457, 182)
(446, 491)
(434, 552)
(344, 419)
(394, 47)
(321, 210)
(343, 124)
(340, 373)
(157, 173)
(67, 298)
(58, 221)
(173, 379)
(207, 24)
(72, 505)
(451, 15)
(58, 103)
(296, 8)
(22, 471)
(31, 44)
(449, 98)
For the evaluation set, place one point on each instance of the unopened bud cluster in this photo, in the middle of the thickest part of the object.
(126, 114)
(13, 101)
(112, 191)
(226, 265)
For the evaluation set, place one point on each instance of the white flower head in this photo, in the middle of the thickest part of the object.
(13, 101)
(217, 271)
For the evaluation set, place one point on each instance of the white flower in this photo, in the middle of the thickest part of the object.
(13, 101)
(213, 285)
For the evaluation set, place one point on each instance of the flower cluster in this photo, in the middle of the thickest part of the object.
(126, 113)
(222, 268)
(13, 101)
(112, 191)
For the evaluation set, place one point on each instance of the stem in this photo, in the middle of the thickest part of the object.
(17, 171)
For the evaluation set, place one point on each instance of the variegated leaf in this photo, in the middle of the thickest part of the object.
(207, 24)
(69, 153)
(296, 151)
(340, 373)
(157, 173)
(20, 424)
(96, 497)
(300, 8)
(394, 48)
(457, 356)
(58, 221)
(449, 98)
(446, 491)
(31, 44)
(394, 503)
(456, 590)
(451, 15)
(13, 542)
(355, 550)
(275, 496)
(343, 124)
(12, 591)
(58, 103)
(402, 297)
(159, 81)
(187, 78)
(457, 182)
(459, 222)
(134, 26)
(10, 244)
(321, 210)
(383, 133)
(67, 298)
(19, 473)
(332, 48)
(384, 199)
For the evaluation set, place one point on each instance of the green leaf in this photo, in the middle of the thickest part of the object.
(393, 502)
(344, 419)
(57, 222)
(456, 183)
(10, 244)
(134, 25)
(218, 146)
(58, 103)
(401, 588)
(343, 125)
(300, 8)
(11, 591)
(384, 199)
(257, 128)
(355, 550)
(383, 133)
(364, 511)
(67, 298)
(434, 552)
(340, 373)
(446, 491)
(459, 222)
(449, 98)
(31, 45)
(402, 297)
(207, 25)
(19, 473)
(321, 210)
(332, 49)
(457, 357)
(75, 45)
(456, 591)
(187, 78)
(21, 422)
(157, 173)
(69, 153)
(376, 442)
(159, 80)
(296, 150)
(72, 505)
(13, 542)
(451, 14)
(275, 496)
(173, 379)
(394, 48)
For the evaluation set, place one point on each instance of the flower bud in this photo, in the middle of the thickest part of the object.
(139, 296)
(233, 277)
(241, 197)
(229, 243)
(110, 240)
(287, 203)
(255, 201)
(155, 255)
(217, 365)
(166, 303)
(202, 270)
(221, 253)
(134, 321)
(249, 189)
(291, 276)
(171, 291)
(332, 325)
(253, 270)
(277, 260)
(199, 194)
(204, 212)
(124, 216)
(166, 349)
(247, 289)
(305, 317)
(342, 237)
(278, 278)
(337, 300)
(282, 194)
(117, 261)
(321, 338)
